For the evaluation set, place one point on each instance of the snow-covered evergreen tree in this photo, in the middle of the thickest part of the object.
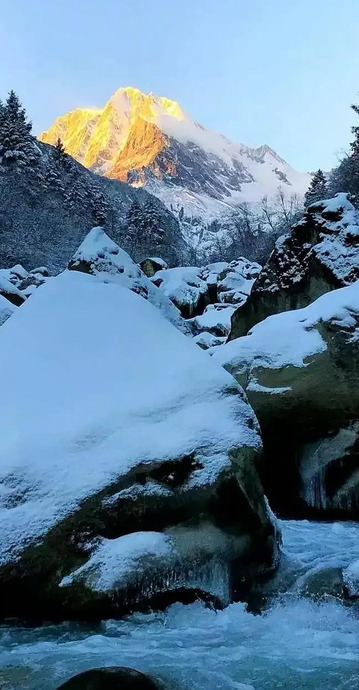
(59, 153)
(153, 234)
(355, 130)
(345, 178)
(134, 227)
(17, 145)
(100, 206)
(317, 189)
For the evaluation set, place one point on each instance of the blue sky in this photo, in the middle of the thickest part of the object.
(281, 72)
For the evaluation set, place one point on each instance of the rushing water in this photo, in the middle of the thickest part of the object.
(297, 644)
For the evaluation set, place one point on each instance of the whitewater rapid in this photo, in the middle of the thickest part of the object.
(296, 644)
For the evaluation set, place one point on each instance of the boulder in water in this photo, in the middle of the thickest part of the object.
(322, 583)
(111, 679)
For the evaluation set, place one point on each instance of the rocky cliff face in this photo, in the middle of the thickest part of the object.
(320, 254)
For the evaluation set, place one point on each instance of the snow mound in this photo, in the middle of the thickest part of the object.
(114, 559)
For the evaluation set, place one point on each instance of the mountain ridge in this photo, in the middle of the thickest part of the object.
(128, 134)
(200, 176)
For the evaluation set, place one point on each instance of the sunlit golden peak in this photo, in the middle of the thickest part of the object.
(127, 134)
(149, 106)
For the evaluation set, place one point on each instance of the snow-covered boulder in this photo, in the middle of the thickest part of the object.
(216, 319)
(10, 292)
(207, 340)
(7, 308)
(98, 255)
(236, 281)
(151, 265)
(300, 370)
(320, 254)
(15, 274)
(128, 458)
(207, 295)
(185, 288)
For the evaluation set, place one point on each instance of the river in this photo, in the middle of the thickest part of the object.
(297, 643)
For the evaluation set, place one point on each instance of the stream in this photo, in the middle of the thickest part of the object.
(298, 643)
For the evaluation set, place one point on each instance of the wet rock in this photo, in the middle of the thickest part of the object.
(351, 580)
(320, 584)
(111, 679)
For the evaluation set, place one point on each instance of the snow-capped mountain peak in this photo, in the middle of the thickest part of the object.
(151, 141)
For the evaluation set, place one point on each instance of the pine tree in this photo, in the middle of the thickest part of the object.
(17, 145)
(59, 152)
(355, 130)
(345, 178)
(134, 227)
(317, 189)
(100, 206)
(153, 235)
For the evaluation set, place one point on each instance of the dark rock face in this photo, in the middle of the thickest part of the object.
(111, 679)
(320, 254)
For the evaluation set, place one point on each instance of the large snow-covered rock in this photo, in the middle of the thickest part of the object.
(101, 256)
(300, 370)
(320, 254)
(128, 458)
(10, 292)
(236, 281)
(185, 288)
